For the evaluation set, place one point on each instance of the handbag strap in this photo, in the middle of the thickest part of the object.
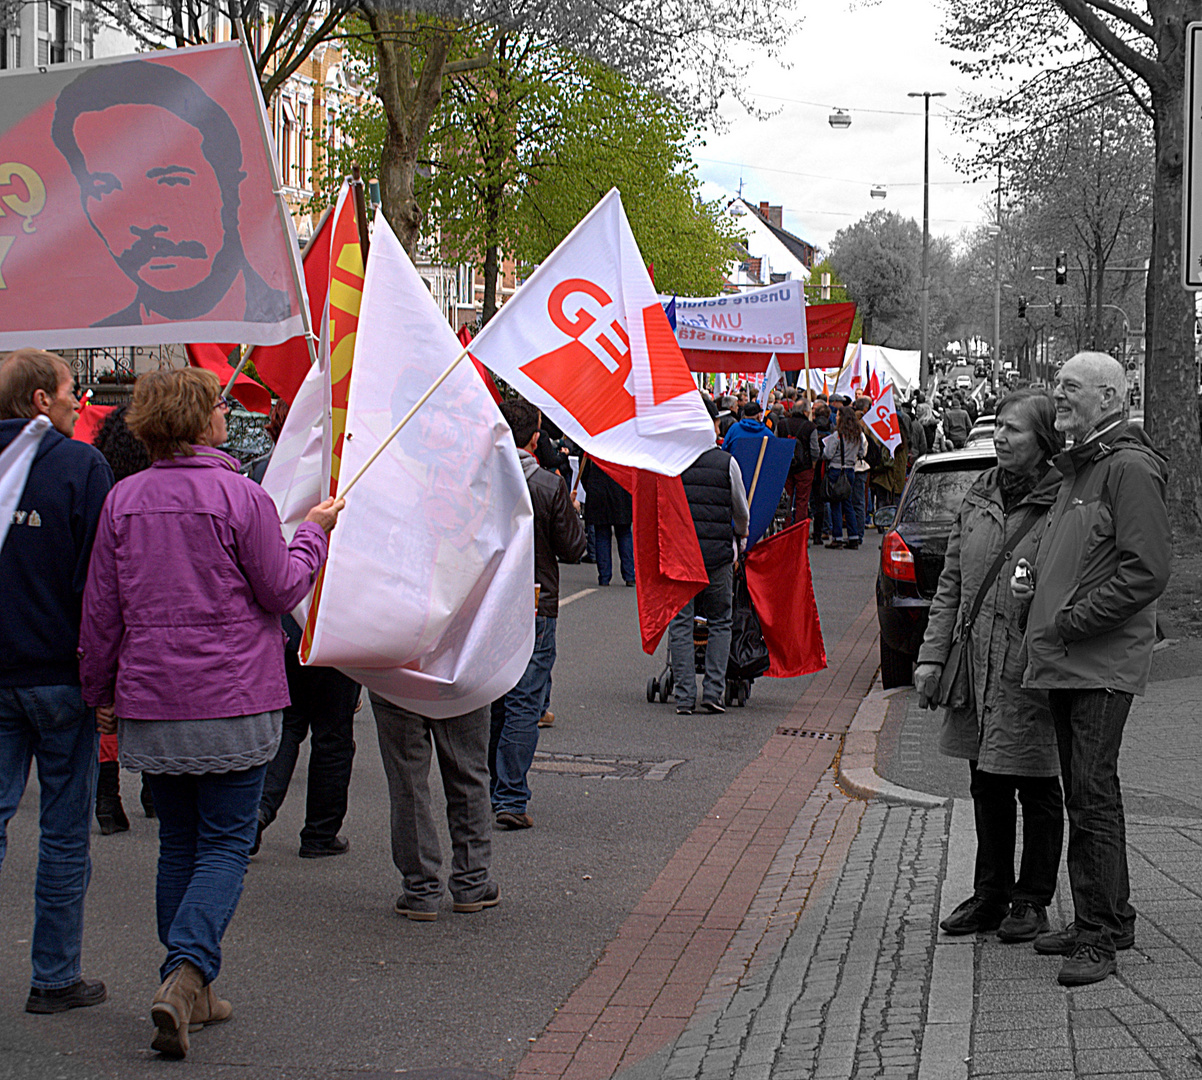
(1008, 544)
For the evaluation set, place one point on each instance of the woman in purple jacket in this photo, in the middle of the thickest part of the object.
(181, 639)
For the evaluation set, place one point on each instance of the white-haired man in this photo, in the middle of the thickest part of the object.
(1092, 624)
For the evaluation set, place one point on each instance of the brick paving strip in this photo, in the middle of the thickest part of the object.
(733, 889)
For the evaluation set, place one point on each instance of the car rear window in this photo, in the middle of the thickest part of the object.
(936, 492)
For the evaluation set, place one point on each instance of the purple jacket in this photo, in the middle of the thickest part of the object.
(188, 579)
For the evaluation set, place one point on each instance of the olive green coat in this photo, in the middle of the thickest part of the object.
(1006, 730)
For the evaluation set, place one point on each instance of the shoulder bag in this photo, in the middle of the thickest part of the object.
(836, 488)
(955, 683)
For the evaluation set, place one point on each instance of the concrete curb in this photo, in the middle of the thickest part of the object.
(857, 763)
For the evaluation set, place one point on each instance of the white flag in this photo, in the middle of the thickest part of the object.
(428, 593)
(15, 463)
(772, 376)
(587, 341)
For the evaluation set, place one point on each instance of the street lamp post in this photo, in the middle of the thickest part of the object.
(924, 370)
(997, 289)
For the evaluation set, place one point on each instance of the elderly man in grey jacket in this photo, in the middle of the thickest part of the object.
(1090, 631)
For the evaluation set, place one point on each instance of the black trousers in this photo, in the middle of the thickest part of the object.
(323, 708)
(996, 816)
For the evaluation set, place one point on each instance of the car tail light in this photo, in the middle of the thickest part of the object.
(897, 560)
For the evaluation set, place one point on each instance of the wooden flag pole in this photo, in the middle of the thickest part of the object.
(755, 478)
(404, 420)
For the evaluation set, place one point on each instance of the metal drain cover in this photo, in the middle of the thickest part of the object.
(802, 733)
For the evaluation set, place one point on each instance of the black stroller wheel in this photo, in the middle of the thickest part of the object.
(652, 688)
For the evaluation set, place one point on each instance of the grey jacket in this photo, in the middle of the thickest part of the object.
(1008, 731)
(1106, 560)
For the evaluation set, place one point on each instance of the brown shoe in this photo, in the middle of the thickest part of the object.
(209, 1009)
(172, 1009)
(547, 720)
(507, 819)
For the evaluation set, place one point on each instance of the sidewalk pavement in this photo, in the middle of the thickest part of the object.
(795, 935)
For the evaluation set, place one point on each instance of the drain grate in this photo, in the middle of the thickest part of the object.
(602, 768)
(802, 733)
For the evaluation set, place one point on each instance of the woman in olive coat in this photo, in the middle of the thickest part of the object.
(1005, 732)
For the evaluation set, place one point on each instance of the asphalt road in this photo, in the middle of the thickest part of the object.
(325, 979)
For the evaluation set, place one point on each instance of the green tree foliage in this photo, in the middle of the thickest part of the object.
(880, 259)
(526, 144)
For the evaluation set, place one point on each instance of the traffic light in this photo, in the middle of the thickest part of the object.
(1058, 307)
(1061, 269)
(1022, 307)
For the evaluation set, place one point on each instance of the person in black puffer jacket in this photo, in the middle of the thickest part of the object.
(713, 486)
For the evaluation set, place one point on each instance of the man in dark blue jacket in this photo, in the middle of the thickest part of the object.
(43, 569)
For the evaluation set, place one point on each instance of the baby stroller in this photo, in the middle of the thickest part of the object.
(748, 654)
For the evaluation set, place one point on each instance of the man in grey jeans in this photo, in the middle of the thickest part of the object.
(713, 485)
(462, 743)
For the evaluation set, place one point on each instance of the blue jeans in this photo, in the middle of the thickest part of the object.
(605, 552)
(207, 825)
(1089, 732)
(713, 604)
(514, 726)
(52, 724)
(846, 509)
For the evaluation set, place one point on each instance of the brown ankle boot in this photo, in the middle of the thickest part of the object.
(172, 1009)
(209, 1009)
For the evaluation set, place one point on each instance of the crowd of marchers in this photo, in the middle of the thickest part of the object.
(156, 637)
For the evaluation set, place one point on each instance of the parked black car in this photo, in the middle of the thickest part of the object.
(913, 549)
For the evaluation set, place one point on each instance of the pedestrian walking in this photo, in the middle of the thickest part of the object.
(1005, 733)
(608, 510)
(181, 648)
(43, 716)
(842, 450)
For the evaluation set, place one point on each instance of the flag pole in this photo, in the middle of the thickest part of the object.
(755, 478)
(403, 421)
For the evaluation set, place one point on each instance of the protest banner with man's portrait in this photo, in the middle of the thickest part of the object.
(139, 206)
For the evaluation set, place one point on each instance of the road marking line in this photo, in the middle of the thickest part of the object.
(575, 596)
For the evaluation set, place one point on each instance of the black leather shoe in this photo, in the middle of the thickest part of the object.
(1026, 921)
(712, 707)
(975, 915)
(340, 845)
(76, 996)
(1086, 964)
(1062, 942)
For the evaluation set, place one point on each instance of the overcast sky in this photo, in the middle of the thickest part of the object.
(865, 59)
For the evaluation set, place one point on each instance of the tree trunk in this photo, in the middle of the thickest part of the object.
(410, 95)
(491, 274)
(1171, 391)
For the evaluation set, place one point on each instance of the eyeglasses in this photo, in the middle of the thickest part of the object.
(225, 404)
(1073, 388)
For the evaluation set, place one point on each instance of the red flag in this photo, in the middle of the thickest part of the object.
(778, 578)
(465, 336)
(91, 419)
(284, 367)
(215, 358)
(667, 558)
(828, 328)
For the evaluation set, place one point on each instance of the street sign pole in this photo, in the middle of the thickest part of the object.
(1191, 203)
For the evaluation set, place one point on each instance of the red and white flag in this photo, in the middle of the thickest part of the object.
(882, 418)
(587, 341)
(140, 205)
(427, 597)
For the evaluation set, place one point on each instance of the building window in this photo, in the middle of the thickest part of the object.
(5, 62)
(287, 142)
(60, 32)
(304, 148)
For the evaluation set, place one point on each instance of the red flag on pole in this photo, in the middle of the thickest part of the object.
(667, 558)
(284, 367)
(778, 578)
(465, 336)
(215, 358)
(90, 421)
